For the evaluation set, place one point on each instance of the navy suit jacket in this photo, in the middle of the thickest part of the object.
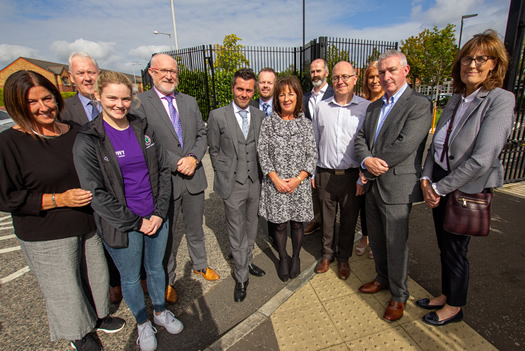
(328, 93)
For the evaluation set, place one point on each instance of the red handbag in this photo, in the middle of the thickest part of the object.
(468, 214)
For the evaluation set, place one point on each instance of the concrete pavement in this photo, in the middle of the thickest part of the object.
(313, 311)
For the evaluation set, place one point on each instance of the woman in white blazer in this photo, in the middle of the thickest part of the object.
(482, 116)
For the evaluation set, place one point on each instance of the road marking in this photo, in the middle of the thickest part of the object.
(5, 237)
(15, 275)
(9, 249)
(4, 227)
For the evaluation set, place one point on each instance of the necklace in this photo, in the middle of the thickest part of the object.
(49, 136)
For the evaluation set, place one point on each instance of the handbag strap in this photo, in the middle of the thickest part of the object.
(449, 131)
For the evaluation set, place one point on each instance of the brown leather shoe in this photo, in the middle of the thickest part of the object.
(323, 266)
(343, 269)
(115, 294)
(208, 274)
(372, 287)
(144, 284)
(394, 311)
(171, 295)
(311, 227)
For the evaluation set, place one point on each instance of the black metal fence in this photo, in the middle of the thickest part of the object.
(206, 75)
(513, 156)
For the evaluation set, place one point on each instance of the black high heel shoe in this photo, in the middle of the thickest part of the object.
(283, 269)
(295, 267)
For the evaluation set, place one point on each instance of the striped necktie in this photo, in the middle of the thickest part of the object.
(175, 119)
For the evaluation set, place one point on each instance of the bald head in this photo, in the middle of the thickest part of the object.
(344, 80)
(163, 71)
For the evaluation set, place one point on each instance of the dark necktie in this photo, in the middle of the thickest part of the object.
(266, 108)
(175, 119)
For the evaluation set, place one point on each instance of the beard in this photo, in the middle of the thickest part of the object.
(319, 82)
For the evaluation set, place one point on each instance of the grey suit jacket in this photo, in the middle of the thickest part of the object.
(222, 140)
(255, 103)
(476, 142)
(328, 93)
(193, 134)
(74, 111)
(400, 143)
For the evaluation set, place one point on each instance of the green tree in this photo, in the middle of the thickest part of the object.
(229, 55)
(373, 56)
(334, 55)
(430, 56)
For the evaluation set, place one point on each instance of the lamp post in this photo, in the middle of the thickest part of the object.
(461, 29)
(133, 64)
(174, 27)
(168, 34)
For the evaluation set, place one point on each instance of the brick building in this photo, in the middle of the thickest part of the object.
(57, 73)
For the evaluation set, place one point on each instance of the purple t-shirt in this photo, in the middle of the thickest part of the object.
(137, 186)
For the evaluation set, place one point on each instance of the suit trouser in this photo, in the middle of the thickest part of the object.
(453, 248)
(388, 235)
(192, 214)
(333, 190)
(317, 207)
(242, 220)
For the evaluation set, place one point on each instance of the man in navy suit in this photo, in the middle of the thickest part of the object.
(83, 72)
(321, 91)
(265, 83)
(389, 148)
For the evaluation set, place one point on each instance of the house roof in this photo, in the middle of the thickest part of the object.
(57, 68)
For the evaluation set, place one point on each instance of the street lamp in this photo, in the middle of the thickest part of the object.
(133, 64)
(461, 30)
(168, 34)
(174, 27)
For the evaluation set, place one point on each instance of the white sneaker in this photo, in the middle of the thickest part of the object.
(147, 340)
(167, 320)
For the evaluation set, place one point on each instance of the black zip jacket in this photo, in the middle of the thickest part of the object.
(99, 172)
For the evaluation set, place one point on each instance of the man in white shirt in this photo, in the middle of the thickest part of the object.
(336, 123)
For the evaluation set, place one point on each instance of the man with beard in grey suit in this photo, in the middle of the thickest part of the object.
(177, 121)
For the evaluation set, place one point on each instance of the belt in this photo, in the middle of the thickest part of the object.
(337, 172)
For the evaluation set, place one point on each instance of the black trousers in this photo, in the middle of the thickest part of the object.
(453, 248)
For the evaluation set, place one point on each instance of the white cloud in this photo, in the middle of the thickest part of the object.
(145, 52)
(9, 53)
(101, 51)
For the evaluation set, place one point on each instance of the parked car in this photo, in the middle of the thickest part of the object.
(6, 122)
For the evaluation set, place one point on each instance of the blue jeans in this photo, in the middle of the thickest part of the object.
(129, 260)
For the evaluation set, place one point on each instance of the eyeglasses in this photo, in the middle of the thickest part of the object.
(164, 71)
(480, 60)
(345, 78)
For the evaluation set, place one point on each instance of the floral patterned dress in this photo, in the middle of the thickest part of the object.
(286, 147)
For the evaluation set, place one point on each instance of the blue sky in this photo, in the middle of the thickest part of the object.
(120, 32)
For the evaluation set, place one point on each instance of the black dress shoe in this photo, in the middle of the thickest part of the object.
(425, 303)
(433, 319)
(256, 271)
(240, 291)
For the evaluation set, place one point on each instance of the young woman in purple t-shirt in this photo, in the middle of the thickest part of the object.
(118, 159)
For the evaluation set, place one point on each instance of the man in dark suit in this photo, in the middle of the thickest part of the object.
(265, 82)
(321, 91)
(83, 72)
(233, 131)
(177, 121)
(389, 148)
